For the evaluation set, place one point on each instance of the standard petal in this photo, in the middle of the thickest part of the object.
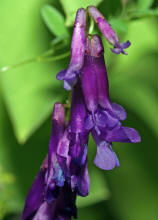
(105, 158)
(123, 134)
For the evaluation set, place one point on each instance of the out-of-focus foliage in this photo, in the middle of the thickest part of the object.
(8, 192)
(29, 89)
(57, 27)
(70, 7)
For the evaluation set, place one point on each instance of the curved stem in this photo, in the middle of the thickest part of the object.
(42, 58)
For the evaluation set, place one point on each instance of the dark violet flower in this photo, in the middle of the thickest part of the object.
(78, 143)
(77, 52)
(103, 117)
(51, 195)
(73, 155)
(107, 31)
(64, 173)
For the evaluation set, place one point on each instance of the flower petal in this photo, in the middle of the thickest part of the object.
(123, 134)
(69, 83)
(125, 45)
(119, 111)
(45, 212)
(35, 196)
(61, 75)
(105, 158)
(89, 123)
(58, 175)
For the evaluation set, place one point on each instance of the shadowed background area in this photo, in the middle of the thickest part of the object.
(35, 40)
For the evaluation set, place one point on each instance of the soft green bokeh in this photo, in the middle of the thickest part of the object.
(28, 91)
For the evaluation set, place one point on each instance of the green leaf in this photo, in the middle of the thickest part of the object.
(145, 4)
(70, 7)
(54, 21)
(30, 90)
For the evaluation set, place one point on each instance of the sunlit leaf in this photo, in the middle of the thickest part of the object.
(70, 7)
(55, 21)
(30, 90)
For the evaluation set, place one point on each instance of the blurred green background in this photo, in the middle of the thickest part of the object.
(34, 36)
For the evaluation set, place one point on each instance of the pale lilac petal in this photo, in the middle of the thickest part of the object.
(105, 158)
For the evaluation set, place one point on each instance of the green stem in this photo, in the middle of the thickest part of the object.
(59, 57)
(42, 58)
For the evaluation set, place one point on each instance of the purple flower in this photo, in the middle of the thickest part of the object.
(51, 195)
(77, 52)
(107, 31)
(73, 154)
(64, 173)
(103, 117)
(78, 143)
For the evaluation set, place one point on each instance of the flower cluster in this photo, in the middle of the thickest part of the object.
(64, 172)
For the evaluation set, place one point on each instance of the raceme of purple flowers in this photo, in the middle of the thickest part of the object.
(64, 173)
